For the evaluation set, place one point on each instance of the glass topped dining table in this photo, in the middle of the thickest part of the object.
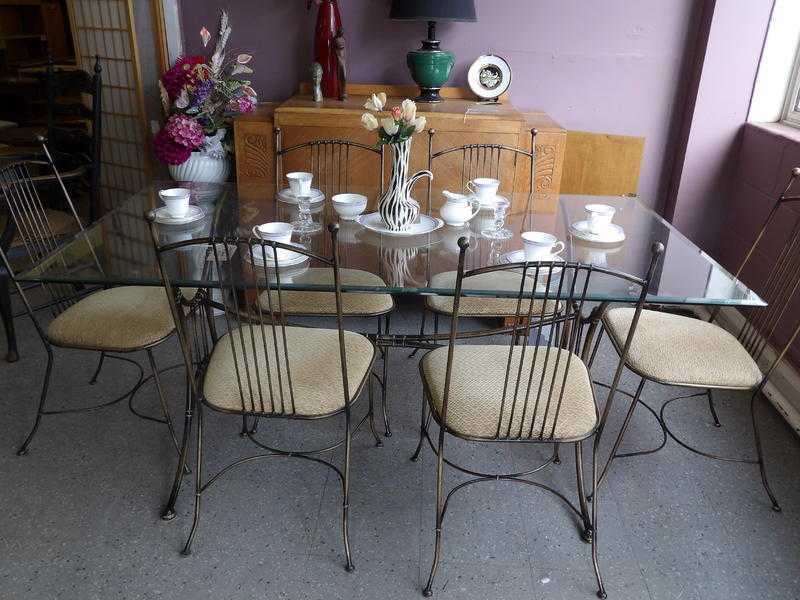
(118, 249)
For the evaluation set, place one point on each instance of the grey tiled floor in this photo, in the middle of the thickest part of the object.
(79, 516)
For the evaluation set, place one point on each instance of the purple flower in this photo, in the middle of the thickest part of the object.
(201, 93)
(242, 104)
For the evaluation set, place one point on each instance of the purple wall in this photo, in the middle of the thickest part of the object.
(611, 66)
(713, 121)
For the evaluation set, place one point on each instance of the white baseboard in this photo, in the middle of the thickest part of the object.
(783, 388)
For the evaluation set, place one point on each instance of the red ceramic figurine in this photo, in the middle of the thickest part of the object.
(329, 22)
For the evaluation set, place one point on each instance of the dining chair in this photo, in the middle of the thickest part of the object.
(679, 350)
(259, 365)
(112, 322)
(334, 163)
(533, 390)
(497, 161)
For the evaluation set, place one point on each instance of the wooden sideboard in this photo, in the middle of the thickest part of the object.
(457, 121)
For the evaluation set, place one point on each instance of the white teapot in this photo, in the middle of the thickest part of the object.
(459, 208)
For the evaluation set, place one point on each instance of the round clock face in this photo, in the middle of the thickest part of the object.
(489, 76)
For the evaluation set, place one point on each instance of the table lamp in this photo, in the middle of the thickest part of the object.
(430, 66)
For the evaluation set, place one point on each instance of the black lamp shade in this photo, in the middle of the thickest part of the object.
(433, 10)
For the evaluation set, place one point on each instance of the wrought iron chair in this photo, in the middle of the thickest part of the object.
(261, 366)
(333, 162)
(534, 390)
(471, 161)
(112, 321)
(678, 350)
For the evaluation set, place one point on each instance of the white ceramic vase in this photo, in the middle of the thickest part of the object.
(202, 168)
(397, 208)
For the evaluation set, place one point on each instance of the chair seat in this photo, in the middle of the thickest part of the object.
(484, 307)
(314, 367)
(324, 303)
(476, 392)
(118, 319)
(61, 223)
(679, 350)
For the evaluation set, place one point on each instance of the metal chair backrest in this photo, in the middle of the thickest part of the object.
(244, 270)
(29, 222)
(497, 161)
(548, 321)
(332, 162)
(780, 285)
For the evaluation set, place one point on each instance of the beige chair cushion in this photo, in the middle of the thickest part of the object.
(122, 318)
(61, 223)
(484, 307)
(324, 303)
(680, 350)
(314, 367)
(476, 391)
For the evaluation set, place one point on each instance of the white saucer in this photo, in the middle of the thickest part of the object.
(286, 195)
(492, 203)
(613, 234)
(424, 225)
(518, 256)
(161, 216)
(294, 258)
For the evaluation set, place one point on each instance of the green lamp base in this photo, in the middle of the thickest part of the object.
(430, 70)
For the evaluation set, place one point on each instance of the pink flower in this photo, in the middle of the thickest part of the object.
(397, 112)
(167, 151)
(181, 75)
(185, 131)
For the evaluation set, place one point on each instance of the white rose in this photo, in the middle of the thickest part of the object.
(390, 126)
(376, 102)
(408, 110)
(419, 124)
(369, 122)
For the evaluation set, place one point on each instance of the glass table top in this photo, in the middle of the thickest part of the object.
(122, 244)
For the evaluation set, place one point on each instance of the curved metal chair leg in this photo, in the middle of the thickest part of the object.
(601, 590)
(198, 480)
(349, 566)
(437, 552)
(385, 382)
(23, 450)
(759, 451)
(169, 511)
(586, 534)
(163, 401)
(372, 428)
(713, 410)
(100, 362)
(422, 429)
(7, 317)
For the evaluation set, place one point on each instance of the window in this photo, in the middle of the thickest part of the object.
(791, 106)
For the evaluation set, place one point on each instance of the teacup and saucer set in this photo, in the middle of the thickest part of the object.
(300, 188)
(598, 227)
(275, 231)
(538, 246)
(177, 210)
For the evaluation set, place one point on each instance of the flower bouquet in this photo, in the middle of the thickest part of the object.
(200, 95)
(398, 210)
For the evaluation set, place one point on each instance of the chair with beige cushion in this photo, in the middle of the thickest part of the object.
(112, 321)
(253, 364)
(677, 350)
(535, 389)
(468, 162)
(339, 166)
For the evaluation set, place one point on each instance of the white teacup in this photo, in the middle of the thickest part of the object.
(349, 206)
(541, 246)
(276, 231)
(484, 188)
(599, 217)
(300, 182)
(176, 200)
